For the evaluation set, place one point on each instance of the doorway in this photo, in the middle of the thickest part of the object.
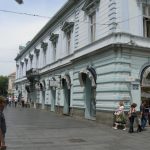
(66, 90)
(53, 98)
(89, 98)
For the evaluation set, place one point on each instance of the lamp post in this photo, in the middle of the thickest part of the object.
(19, 1)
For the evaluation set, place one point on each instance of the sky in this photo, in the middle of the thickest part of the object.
(17, 29)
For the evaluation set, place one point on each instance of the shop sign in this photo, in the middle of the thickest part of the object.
(53, 83)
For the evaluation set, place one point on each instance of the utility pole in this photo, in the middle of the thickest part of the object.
(19, 1)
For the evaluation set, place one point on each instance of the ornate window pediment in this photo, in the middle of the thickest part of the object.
(68, 26)
(44, 45)
(54, 37)
(90, 6)
(26, 60)
(36, 51)
(31, 56)
(147, 2)
(17, 65)
(22, 63)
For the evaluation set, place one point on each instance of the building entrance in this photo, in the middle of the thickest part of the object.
(145, 86)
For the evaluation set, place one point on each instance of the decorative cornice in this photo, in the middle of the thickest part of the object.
(44, 45)
(67, 6)
(54, 37)
(68, 26)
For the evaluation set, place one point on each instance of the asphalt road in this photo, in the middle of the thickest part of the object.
(32, 129)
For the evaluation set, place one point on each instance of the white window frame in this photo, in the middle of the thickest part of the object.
(54, 43)
(146, 21)
(68, 41)
(92, 26)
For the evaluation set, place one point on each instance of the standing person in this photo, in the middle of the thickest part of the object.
(119, 116)
(16, 100)
(22, 101)
(133, 117)
(2, 124)
(10, 101)
(143, 114)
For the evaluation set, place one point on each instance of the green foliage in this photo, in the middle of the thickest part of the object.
(3, 85)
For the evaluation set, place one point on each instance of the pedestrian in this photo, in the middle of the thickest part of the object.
(133, 116)
(144, 115)
(2, 124)
(15, 100)
(10, 101)
(22, 101)
(119, 116)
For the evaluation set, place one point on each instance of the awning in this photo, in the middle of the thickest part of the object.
(91, 73)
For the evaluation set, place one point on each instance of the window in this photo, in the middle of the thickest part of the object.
(54, 40)
(54, 50)
(26, 63)
(37, 60)
(146, 20)
(90, 8)
(31, 59)
(22, 68)
(37, 51)
(68, 37)
(68, 29)
(44, 46)
(92, 26)
(44, 58)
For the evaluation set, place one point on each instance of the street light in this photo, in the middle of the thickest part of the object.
(19, 1)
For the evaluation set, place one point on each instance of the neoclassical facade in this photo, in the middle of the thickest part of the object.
(89, 56)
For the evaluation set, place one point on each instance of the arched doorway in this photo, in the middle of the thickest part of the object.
(66, 84)
(145, 85)
(53, 98)
(87, 79)
(42, 88)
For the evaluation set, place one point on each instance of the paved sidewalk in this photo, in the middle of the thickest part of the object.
(31, 129)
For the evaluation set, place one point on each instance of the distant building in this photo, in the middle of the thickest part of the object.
(11, 83)
(88, 57)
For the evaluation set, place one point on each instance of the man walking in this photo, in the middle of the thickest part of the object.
(143, 114)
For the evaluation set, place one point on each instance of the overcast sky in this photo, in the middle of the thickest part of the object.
(18, 29)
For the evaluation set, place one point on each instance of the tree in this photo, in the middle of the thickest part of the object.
(3, 85)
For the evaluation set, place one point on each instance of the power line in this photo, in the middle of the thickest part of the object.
(20, 13)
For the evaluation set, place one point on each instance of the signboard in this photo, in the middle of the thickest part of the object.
(135, 86)
(53, 83)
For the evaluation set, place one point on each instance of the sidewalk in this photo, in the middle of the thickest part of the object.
(31, 129)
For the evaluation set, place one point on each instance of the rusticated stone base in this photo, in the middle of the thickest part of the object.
(38, 105)
(104, 117)
(47, 107)
(77, 112)
(59, 109)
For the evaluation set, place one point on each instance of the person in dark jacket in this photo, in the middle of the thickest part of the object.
(2, 124)
(144, 114)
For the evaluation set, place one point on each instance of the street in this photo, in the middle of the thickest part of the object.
(33, 129)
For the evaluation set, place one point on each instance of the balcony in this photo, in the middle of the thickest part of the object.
(32, 75)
